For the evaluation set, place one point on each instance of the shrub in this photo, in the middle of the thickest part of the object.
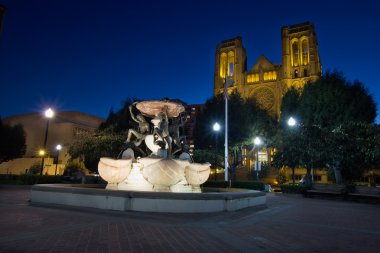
(35, 169)
(216, 184)
(74, 172)
(252, 185)
(289, 188)
(29, 179)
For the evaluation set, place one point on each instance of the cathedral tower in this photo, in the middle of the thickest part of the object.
(230, 60)
(300, 58)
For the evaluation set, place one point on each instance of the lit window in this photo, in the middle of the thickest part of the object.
(223, 65)
(295, 53)
(305, 52)
(230, 60)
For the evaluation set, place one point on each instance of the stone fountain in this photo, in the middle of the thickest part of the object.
(163, 178)
(167, 167)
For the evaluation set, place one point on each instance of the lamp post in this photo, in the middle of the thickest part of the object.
(257, 141)
(58, 148)
(49, 113)
(216, 128)
(292, 123)
(41, 153)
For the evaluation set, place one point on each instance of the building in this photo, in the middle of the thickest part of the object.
(191, 121)
(63, 129)
(267, 81)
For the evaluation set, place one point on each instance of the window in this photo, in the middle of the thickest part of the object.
(295, 73)
(253, 78)
(223, 65)
(295, 53)
(305, 72)
(231, 68)
(231, 61)
(305, 52)
(317, 178)
(269, 76)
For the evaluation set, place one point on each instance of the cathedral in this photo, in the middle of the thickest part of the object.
(267, 81)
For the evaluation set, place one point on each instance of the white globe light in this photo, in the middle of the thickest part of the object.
(216, 127)
(292, 122)
(257, 141)
(49, 113)
(58, 147)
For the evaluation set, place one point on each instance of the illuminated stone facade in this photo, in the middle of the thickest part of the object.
(268, 82)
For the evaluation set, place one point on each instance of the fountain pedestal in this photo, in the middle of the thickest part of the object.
(135, 181)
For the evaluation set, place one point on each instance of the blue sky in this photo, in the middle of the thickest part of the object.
(92, 55)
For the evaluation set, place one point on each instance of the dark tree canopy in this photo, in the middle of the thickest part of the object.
(108, 141)
(332, 101)
(335, 127)
(246, 120)
(121, 120)
(289, 106)
(12, 142)
(90, 148)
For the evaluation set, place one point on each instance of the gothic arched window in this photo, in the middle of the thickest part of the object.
(231, 62)
(305, 52)
(296, 53)
(223, 65)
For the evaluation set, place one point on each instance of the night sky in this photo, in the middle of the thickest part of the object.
(92, 55)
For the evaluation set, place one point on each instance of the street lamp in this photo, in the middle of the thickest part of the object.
(216, 128)
(292, 122)
(49, 113)
(58, 148)
(257, 141)
(41, 153)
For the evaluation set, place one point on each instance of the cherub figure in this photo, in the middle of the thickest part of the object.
(143, 128)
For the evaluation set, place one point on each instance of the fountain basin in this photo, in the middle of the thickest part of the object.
(92, 196)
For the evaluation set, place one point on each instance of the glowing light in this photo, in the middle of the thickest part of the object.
(41, 152)
(292, 122)
(58, 147)
(49, 113)
(257, 141)
(216, 127)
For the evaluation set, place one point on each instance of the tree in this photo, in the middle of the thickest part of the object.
(332, 100)
(90, 148)
(13, 142)
(246, 120)
(354, 149)
(121, 120)
(108, 141)
(328, 110)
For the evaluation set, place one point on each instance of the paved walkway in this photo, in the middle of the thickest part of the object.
(289, 224)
